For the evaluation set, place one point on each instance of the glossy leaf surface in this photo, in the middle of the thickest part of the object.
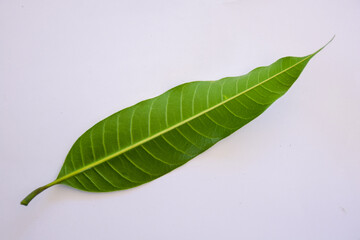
(145, 141)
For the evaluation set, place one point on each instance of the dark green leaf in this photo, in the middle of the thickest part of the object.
(145, 141)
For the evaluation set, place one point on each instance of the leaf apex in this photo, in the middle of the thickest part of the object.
(324, 46)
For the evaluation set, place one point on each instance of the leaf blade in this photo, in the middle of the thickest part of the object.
(145, 141)
(209, 115)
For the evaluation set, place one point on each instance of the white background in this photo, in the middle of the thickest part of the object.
(292, 173)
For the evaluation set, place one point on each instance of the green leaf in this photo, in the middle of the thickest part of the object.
(145, 141)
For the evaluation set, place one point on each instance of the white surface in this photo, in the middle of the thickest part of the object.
(293, 173)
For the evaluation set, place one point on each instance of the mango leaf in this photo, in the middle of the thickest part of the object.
(145, 141)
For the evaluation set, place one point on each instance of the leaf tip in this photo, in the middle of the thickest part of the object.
(324, 45)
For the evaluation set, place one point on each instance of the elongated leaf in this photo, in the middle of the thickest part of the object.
(145, 141)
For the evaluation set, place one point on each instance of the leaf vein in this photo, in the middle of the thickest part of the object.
(211, 119)
(121, 175)
(135, 165)
(235, 115)
(187, 139)
(200, 133)
(172, 145)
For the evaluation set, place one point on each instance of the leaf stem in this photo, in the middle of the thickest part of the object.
(34, 193)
